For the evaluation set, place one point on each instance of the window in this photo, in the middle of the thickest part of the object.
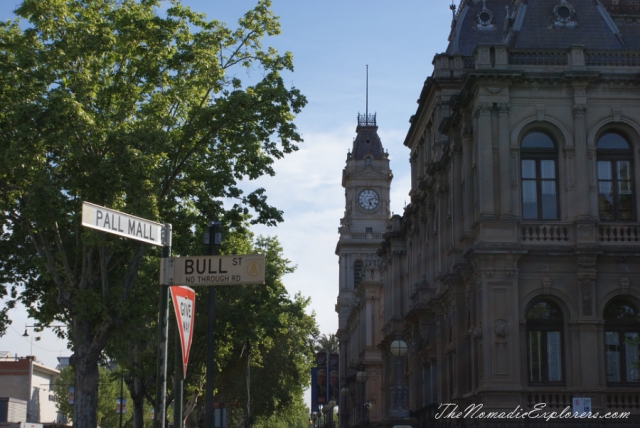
(544, 344)
(357, 273)
(367, 160)
(539, 155)
(621, 357)
(615, 188)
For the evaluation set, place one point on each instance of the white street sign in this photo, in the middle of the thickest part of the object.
(213, 270)
(111, 221)
(581, 406)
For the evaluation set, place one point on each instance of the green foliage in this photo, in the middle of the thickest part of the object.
(108, 392)
(296, 416)
(263, 321)
(330, 343)
(117, 103)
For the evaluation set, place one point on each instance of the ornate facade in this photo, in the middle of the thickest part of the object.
(514, 273)
(367, 180)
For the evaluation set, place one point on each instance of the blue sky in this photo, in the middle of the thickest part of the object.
(332, 41)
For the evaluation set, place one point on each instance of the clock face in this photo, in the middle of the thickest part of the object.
(369, 199)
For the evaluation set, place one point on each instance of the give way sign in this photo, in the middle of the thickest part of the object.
(184, 305)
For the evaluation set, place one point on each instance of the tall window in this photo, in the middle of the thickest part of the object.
(615, 189)
(544, 343)
(538, 154)
(357, 273)
(621, 357)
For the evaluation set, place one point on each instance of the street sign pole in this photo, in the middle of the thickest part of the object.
(184, 303)
(129, 226)
(215, 238)
(163, 327)
(179, 384)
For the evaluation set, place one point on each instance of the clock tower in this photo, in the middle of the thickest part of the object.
(366, 179)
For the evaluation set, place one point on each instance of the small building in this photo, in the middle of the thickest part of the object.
(24, 379)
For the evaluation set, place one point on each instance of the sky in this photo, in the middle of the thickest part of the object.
(332, 42)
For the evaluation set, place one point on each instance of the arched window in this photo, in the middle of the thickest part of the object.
(538, 161)
(615, 178)
(544, 343)
(367, 161)
(357, 273)
(621, 356)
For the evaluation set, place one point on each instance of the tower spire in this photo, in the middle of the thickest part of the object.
(365, 119)
(367, 93)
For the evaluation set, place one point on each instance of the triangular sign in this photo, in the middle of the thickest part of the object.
(184, 305)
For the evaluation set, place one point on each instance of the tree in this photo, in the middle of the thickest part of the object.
(297, 416)
(109, 386)
(112, 102)
(330, 344)
(260, 331)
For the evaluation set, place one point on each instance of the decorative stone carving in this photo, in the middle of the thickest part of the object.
(483, 109)
(587, 299)
(587, 261)
(484, 18)
(624, 284)
(617, 113)
(451, 347)
(477, 331)
(579, 110)
(546, 284)
(503, 109)
(564, 15)
(372, 261)
(501, 329)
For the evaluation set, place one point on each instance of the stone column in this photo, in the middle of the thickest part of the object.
(580, 144)
(467, 190)
(485, 161)
(456, 191)
(505, 161)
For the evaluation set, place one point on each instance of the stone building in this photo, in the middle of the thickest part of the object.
(367, 180)
(514, 273)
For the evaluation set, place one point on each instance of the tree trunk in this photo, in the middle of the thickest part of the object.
(88, 345)
(136, 391)
(85, 404)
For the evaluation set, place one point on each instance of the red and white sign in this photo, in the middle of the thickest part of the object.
(184, 305)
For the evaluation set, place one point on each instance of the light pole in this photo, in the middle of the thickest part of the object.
(327, 409)
(344, 415)
(399, 408)
(361, 378)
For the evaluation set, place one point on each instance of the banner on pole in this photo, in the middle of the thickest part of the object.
(184, 305)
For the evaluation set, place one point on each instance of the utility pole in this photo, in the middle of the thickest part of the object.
(212, 240)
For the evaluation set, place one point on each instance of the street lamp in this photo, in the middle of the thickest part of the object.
(399, 408)
(26, 332)
(361, 378)
(327, 409)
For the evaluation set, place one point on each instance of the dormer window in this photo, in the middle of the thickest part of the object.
(564, 15)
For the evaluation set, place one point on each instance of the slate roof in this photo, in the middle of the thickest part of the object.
(367, 141)
(546, 24)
